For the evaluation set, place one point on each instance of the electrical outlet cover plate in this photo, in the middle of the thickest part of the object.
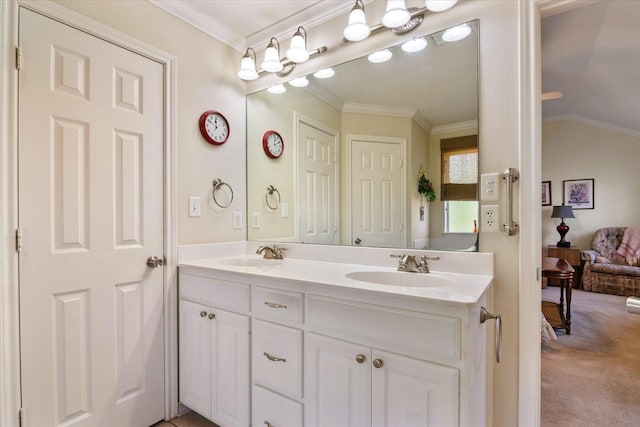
(490, 218)
(489, 187)
(237, 219)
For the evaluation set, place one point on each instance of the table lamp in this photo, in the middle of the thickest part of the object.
(562, 212)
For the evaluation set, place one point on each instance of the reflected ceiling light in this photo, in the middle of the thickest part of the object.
(324, 74)
(248, 66)
(396, 15)
(299, 82)
(456, 33)
(357, 28)
(277, 89)
(439, 5)
(297, 51)
(271, 61)
(380, 56)
(416, 44)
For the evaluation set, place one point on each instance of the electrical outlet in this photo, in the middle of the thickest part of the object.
(194, 206)
(237, 219)
(490, 218)
(489, 187)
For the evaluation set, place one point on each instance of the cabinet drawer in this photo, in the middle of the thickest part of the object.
(277, 357)
(277, 305)
(215, 292)
(274, 409)
(421, 335)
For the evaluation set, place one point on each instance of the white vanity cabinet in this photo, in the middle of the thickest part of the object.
(214, 349)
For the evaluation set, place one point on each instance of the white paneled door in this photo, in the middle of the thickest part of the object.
(376, 192)
(91, 213)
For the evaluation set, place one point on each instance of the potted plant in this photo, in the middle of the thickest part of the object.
(425, 188)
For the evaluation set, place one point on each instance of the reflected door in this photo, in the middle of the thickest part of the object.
(317, 185)
(91, 210)
(376, 193)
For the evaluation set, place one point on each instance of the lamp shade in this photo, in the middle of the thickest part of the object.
(297, 51)
(562, 212)
(439, 5)
(271, 61)
(396, 15)
(248, 66)
(357, 28)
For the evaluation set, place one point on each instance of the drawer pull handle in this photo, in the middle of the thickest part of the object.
(212, 316)
(273, 358)
(269, 424)
(378, 363)
(274, 305)
(360, 358)
(203, 314)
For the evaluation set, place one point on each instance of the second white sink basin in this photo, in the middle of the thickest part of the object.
(401, 278)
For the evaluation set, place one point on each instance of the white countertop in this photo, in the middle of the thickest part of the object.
(459, 288)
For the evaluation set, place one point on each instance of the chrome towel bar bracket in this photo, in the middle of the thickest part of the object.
(218, 184)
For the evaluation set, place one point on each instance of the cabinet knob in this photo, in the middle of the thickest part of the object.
(378, 363)
(360, 358)
(203, 314)
(212, 316)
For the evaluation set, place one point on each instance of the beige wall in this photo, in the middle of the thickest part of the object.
(419, 229)
(575, 150)
(206, 80)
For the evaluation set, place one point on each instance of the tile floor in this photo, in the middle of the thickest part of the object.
(190, 419)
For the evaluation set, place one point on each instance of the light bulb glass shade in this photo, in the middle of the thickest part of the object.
(248, 66)
(297, 51)
(562, 212)
(456, 33)
(416, 44)
(439, 5)
(357, 28)
(396, 15)
(380, 56)
(299, 82)
(277, 89)
(271, 61)
(324, 74)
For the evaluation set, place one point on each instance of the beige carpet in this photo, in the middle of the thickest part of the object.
(592, 377)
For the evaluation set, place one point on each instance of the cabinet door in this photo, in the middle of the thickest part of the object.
(195, 357)
(337, 383)
(229, 343)
(409, 392)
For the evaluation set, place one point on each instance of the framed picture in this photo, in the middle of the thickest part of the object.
(578, 193)
(546, 193)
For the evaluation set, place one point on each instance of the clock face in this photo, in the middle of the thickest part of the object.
(273, 144)
(214, 127)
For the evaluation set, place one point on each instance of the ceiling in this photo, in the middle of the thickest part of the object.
(590, 48)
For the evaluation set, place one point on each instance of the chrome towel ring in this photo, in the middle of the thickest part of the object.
(270, 190)
(217, 185)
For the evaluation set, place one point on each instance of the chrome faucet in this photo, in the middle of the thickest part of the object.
(274, 252)
(410, 264)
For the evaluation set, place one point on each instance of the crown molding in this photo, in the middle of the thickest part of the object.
(384, 110)
(455, 127)
(592, 122)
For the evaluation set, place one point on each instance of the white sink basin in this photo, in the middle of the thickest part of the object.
(401, 278)
(252, 262)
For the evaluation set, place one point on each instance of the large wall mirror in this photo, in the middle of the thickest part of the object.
(356, 141)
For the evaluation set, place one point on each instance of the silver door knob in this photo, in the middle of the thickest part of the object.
(154, 262)
(357, 241)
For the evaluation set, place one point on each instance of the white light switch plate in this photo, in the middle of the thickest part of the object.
(237, 219)
(284, 209)
(489, 187)
(255, 219)
(194, 206)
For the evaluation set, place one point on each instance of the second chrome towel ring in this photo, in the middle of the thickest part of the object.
(217, 185)
(270, 190)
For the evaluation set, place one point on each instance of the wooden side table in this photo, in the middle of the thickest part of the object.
(572, 255)
(558, 268)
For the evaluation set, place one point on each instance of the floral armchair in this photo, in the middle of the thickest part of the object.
(604, 270)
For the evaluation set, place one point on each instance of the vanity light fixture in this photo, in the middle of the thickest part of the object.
(271, 61)
(299, 82)
(396, 15)
(456, 33)
(414, 45)
(277, 89)
(297, 51)
(380, 56)
(439, 5)
(324, 73)
(248, 66)
(357, 28)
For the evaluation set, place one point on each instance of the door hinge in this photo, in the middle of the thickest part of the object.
(21, 417)
(18, 239)
(18, 58)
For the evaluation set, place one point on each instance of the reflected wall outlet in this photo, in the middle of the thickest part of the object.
(489, 187)
(237, 219)
(490, 218)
